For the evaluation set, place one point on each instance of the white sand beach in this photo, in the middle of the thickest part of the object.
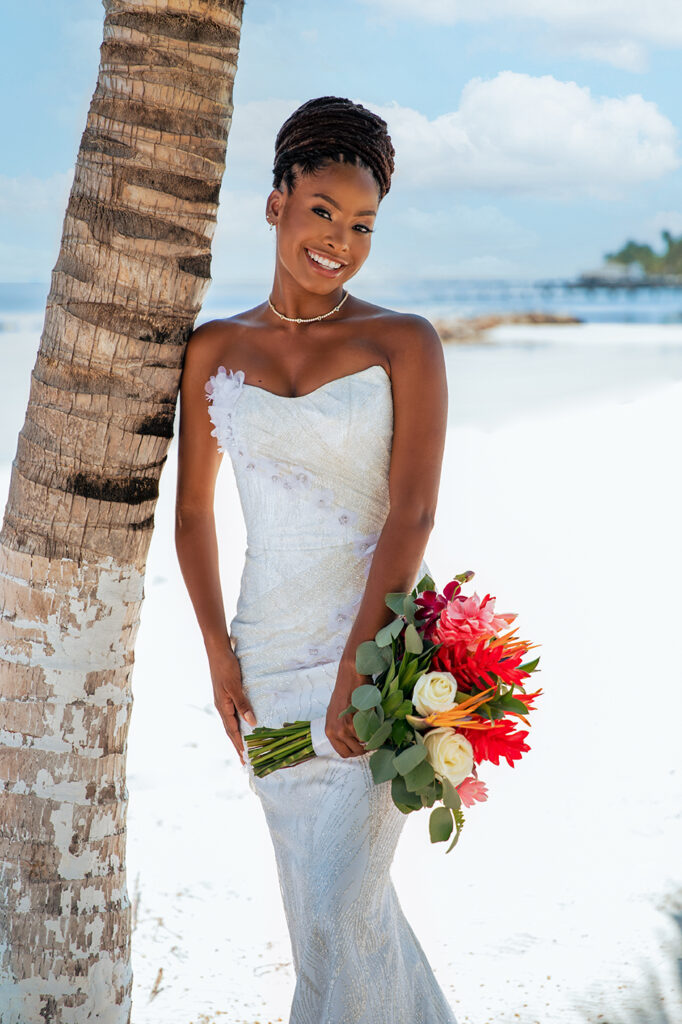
(561, 490)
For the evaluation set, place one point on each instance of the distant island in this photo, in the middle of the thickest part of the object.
(637, 265)
(668, 262)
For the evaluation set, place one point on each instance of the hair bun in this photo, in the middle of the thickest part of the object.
(329, 128)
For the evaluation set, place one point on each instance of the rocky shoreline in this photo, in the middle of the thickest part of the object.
(473, 329)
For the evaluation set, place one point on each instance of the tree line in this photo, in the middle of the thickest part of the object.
(667, 262)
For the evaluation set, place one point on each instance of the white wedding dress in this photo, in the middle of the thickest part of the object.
(312, 475)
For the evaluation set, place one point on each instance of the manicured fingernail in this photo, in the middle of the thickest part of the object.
(250, 717)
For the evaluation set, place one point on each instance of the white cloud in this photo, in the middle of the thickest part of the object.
(617, 32)
(520, 134)
(621, 53)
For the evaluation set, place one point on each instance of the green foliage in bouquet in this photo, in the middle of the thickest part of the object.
(396, 658)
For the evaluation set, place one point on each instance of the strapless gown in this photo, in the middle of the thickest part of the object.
(312, 477)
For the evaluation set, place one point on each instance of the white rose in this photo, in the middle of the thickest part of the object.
(449, 753)
(434, 691)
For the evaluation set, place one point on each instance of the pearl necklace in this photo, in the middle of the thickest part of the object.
(307, 320)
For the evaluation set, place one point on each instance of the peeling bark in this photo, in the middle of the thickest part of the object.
(132, 271)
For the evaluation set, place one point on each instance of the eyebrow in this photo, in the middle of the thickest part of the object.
(360, 213)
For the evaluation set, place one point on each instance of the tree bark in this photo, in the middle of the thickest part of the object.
(132, 271)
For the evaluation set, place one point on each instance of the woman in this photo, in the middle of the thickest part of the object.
(333, 411)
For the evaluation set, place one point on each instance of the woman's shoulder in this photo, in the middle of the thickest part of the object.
(211, 343)
(404, 333)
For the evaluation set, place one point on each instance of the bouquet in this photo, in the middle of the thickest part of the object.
(448, 679)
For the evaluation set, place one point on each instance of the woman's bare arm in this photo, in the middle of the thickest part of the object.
(420, 405)
(195, 532)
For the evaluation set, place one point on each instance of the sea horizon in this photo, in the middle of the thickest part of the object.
(456, 297)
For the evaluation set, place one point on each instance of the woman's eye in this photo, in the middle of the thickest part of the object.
(365, 229)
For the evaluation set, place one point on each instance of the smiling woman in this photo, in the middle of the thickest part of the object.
(333, 411)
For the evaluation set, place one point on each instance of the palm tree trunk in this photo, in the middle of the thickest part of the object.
(132, 271)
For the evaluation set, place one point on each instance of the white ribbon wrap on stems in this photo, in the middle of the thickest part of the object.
(320, 740)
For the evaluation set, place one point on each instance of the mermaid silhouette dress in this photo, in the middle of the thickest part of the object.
(312, 477)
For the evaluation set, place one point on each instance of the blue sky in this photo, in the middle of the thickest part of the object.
(530, 138)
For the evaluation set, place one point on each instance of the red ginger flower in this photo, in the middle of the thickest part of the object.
(500, 740)
(500, 657)
(493, 660)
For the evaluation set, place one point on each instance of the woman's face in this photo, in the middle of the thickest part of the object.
(330, 213)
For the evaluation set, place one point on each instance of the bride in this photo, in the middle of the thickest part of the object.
(333, 412)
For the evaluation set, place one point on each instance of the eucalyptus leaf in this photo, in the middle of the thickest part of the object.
(380, 736)
(381, 763)
(365, 696)
(402, 795)
(440, 824)
(419, 777)
(365, 723)
(409, 758)
(368, 658)
(389, 632)
(413, 641)
(451, 797)
(386, 655)
(409, 608)
(394, 601)
(428, 795)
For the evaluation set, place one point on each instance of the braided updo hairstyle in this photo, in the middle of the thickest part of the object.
(332, 128)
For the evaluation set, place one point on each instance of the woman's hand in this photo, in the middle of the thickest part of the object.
(229, 696)
(341, 731)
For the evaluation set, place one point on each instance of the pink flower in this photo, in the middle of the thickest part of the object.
(468, 619)
(472, 790)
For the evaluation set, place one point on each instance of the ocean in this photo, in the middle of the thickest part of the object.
(439, 298)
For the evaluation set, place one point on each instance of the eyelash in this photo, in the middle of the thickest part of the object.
(367, 231)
